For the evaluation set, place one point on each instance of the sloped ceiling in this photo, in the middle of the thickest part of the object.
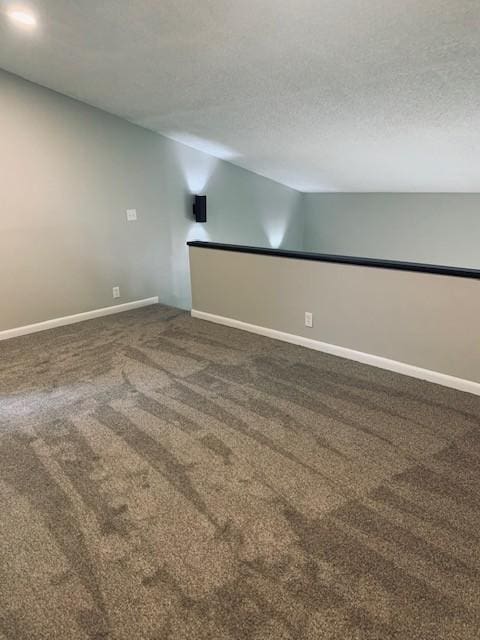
(320, 95)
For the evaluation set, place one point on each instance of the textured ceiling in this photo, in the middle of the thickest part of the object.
(321, 95)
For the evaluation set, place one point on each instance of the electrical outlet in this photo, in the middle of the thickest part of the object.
(116, 292)
(308, 319)
(131, 215)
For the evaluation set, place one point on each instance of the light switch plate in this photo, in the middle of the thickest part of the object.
(131, 215)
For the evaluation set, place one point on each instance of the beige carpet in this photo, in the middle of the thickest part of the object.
(165, 478)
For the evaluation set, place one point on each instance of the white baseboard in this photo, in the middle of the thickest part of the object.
(78, 317)
(350, 354)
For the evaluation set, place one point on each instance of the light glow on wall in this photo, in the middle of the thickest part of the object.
(276, 231)
(214, 149)
(197, 168)
(22, 17)
(197, 232)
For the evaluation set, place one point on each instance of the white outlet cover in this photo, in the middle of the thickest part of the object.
(308, 319)
(131, 215)
(116, 292)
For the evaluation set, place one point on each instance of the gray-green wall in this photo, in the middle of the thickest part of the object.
(439, 228)
(68, 172)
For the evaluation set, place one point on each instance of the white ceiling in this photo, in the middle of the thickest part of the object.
(321, 95)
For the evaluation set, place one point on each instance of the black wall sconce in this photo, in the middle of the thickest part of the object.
(200, 208)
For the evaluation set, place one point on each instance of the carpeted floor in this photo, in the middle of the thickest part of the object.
(166, 478)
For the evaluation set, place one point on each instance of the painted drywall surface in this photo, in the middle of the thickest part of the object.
(424, 320)
(242, 208)
(68, 172)
(436, 228)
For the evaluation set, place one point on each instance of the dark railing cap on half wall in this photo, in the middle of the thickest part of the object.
(398, 265)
